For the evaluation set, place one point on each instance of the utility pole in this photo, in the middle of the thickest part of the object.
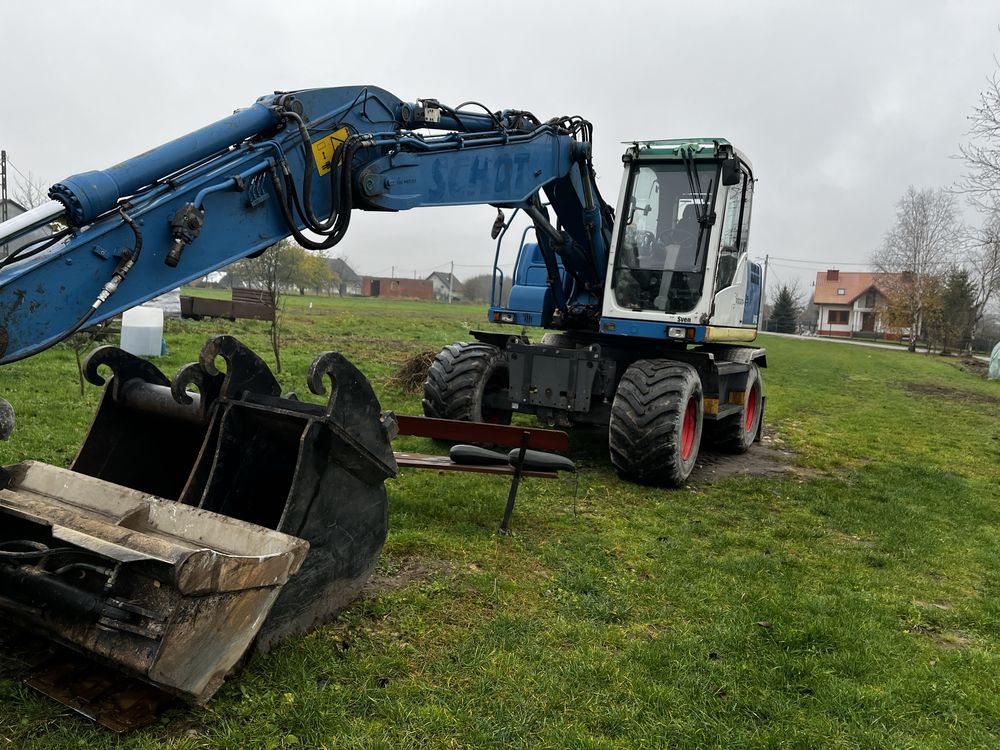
(3, 186)
(392, 273)
(3, 196)
(763, 294)
(451, 280)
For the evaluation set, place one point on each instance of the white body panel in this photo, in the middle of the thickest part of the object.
(730, 302)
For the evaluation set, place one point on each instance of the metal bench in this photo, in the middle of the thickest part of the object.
(523, 439)
(248, 304)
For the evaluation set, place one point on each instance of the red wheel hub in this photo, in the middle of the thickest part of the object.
(751, 407)
(688, 428)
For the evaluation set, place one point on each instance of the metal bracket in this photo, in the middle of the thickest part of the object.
(515, 483)
(245, 371)
(124, 367)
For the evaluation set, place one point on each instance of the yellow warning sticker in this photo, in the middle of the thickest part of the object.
(325, 148)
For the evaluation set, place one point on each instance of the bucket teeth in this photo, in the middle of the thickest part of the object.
(171, 485)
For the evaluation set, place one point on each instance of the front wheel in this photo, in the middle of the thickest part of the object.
(656, 422)
(469, 382)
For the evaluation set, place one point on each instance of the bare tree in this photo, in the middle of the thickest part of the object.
(982, 261)
(982, 153)
(981, 184)
(478, 289)
(29, 192)
(271, 271)
(918, 248)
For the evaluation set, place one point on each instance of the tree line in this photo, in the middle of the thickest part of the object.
(941, 274)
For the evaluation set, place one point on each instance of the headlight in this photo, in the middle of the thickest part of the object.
(677, 333)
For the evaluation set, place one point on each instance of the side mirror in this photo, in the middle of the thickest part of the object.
(498, 225)
(731, 171)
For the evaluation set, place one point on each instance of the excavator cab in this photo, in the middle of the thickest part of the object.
(679, 255)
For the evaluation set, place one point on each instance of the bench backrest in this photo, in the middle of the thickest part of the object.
(480, 432)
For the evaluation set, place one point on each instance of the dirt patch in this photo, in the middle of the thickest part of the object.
(952, 394)
(411, 376)
(393, 576)
(852, 540)
(764, 459)
(946, 639)
(973, 366)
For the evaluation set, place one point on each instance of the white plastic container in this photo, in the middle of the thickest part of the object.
(142, 331)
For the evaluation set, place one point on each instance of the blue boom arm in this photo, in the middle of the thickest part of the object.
(296, 164)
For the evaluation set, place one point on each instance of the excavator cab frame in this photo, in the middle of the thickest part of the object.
(661, 313)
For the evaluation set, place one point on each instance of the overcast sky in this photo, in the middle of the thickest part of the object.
(839, 105)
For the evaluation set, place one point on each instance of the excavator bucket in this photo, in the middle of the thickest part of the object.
(171, 593)
(194, 525)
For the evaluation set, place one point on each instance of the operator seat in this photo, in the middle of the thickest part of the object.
(680, 285)
(687, 229)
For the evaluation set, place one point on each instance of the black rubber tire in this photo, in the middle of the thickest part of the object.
(646, 432)
(733, 434)
(460, 377)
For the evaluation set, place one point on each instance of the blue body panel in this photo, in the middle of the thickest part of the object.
(751, 306)
(647, 329)
(531, 300)
(499, 173)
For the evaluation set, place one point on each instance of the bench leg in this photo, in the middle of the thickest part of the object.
(514, 484)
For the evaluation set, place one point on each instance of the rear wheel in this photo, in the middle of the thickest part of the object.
(469, 382)
(738, 432)
(656, 422)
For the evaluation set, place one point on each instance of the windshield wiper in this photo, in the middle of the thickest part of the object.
(703, 212)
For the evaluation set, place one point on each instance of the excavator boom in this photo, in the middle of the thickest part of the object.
(290, 164)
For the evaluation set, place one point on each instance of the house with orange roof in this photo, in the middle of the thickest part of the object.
(848, 303)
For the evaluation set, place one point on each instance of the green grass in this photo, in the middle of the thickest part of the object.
(620, 616)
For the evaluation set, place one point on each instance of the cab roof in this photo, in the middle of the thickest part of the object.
(700, 148)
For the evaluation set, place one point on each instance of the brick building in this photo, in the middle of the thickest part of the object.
(380, 286)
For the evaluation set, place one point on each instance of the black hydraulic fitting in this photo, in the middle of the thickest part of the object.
(184, 227)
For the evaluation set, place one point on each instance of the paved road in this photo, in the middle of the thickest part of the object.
(855, 342)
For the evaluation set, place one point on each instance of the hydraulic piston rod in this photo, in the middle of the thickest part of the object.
(39, 216)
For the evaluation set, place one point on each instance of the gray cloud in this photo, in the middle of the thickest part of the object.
(839, 105)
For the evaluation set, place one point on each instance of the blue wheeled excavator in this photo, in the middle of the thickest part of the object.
(185, 517)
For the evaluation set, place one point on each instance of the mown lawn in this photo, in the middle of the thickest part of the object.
(853, 604)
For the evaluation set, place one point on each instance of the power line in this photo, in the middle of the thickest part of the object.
(17, 170)
(821, 262)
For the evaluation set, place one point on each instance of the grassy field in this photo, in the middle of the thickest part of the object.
(853, 603)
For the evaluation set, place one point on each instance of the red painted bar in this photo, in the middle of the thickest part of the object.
(481, 432)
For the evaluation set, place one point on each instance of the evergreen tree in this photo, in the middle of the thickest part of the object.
(785, 314)
(958, 314)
